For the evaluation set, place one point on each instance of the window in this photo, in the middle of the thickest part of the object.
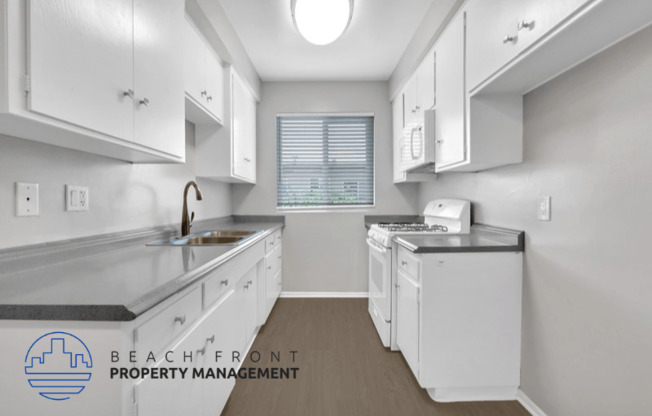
(325, 161)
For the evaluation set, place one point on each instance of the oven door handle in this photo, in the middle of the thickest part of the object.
(372, 244)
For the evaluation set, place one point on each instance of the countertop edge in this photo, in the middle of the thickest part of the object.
(507, 240)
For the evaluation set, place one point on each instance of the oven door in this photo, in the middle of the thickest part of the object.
(380, 277)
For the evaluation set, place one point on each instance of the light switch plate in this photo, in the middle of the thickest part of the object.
(77, 198)
(544, 208)
(27, 199)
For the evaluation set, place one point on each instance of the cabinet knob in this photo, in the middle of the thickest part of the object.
(209, 98)
(246, 159)
(250, 282)
(211, 339)
(202, 351)
(279, 257)
(225, 282)
(403, 263)
(204, 93)
(180, 319)
(145, 102)
(129, 93)
(417, 108)
(396, 285)
(269, 267)
(525, 25)
(439, 141)
(509, 39)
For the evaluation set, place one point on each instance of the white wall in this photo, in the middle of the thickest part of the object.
(324, 251)
(587, 328)
(123, 196)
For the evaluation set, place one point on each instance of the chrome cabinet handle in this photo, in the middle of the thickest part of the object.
(145, 102)
(246, 159)
(417, 108)
(211, 339)
(396, 285)
(509, 38)
(129, 93)
(525, 25)
(204, 93)
(439, 141)
(209, 98)
(202, 351)
(250, 282)
(403, 263)
(279, 257)
(225, 282)
(269, 267)
(180, 319)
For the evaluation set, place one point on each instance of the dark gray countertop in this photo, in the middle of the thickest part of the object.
(481, 239)
(111, 278)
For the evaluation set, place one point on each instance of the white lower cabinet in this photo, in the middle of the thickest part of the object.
(407, 334)
(459, 323)
(206, 326)
(272, 267)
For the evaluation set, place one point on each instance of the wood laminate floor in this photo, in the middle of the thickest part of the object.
(343, 369)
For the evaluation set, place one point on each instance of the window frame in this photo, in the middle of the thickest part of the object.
(328, 208)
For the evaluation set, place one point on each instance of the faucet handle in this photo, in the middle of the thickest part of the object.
(192, 218)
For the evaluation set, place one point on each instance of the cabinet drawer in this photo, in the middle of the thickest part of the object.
(220, 281)
(409, 263)
(159, 331)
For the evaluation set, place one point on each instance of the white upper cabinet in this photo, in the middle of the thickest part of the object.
(419, 93)
(500, 30)
(204, 79)
(243, 134)
(228, 153)
(450, 112)
(100, 77)
(80, 61)
(158, 75)
(514, 46)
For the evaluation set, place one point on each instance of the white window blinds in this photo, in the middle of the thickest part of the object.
(325, 161)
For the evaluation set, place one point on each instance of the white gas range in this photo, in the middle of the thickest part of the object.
(441, 216)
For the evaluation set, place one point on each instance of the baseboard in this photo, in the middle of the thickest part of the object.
(324, 294)
(529, 405)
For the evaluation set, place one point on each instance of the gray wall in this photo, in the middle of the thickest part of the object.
(587, 328)
(324, 251)
(123, 196)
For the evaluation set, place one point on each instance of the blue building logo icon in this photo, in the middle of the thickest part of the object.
(58, 365)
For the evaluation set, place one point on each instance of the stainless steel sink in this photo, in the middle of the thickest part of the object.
(208, 238)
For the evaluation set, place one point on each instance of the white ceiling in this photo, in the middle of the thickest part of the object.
(371, 47)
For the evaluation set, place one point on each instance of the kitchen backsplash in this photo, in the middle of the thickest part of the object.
(122, 196)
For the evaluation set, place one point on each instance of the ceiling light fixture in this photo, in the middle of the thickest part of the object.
(321, 22)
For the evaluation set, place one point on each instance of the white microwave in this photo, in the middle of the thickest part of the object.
(418, 145)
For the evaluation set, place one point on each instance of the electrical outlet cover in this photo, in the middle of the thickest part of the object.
(27, 204)
(77, 198)
(544, 208)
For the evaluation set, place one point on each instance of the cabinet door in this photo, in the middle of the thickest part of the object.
(214, 85)
(158, 75)
(407, 314)
(426, 84)
(221, 335)
(250, 289)
(537, 17)
(397, 133)
(244, 130)
(160, 397)
(450, 121)
(489, 23)
(194, 64)
(80, 61)
(410, 102)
